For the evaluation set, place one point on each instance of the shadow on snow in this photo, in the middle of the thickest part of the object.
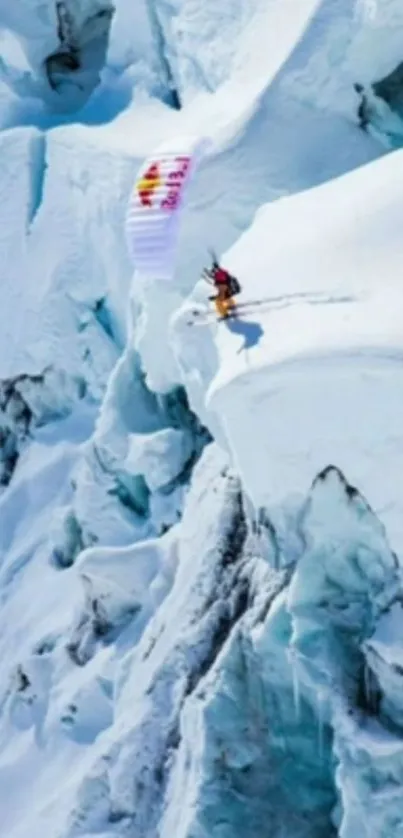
(251, 331)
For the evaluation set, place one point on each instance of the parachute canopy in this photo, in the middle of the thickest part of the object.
(154, 210)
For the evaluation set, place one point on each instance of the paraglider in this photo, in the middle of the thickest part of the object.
(154, 214)
(155, 205)
(146, 186)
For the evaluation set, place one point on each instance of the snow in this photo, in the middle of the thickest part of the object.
(322, 344)
(354, 42)
(200, 523)
(163, 460)
(92, 167)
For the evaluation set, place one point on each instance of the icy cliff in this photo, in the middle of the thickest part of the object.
(200, 523)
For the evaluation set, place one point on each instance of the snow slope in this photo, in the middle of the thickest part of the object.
(252, 128)
(323, 345)
(200, 619)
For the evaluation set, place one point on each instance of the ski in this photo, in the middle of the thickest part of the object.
(209, 316)
(203, 318)
(314, 298)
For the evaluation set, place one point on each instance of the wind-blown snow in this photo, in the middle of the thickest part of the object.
(200, 523)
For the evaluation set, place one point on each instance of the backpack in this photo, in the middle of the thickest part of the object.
(234, 285)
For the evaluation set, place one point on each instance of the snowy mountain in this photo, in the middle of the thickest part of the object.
(201, 522)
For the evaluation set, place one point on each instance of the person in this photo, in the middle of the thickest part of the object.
(226, 285)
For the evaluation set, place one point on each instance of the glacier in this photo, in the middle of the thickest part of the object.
(200, 523)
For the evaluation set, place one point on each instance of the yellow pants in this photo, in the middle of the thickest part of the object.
(223, 307)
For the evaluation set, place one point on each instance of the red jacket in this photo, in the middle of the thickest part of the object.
(220, 276)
